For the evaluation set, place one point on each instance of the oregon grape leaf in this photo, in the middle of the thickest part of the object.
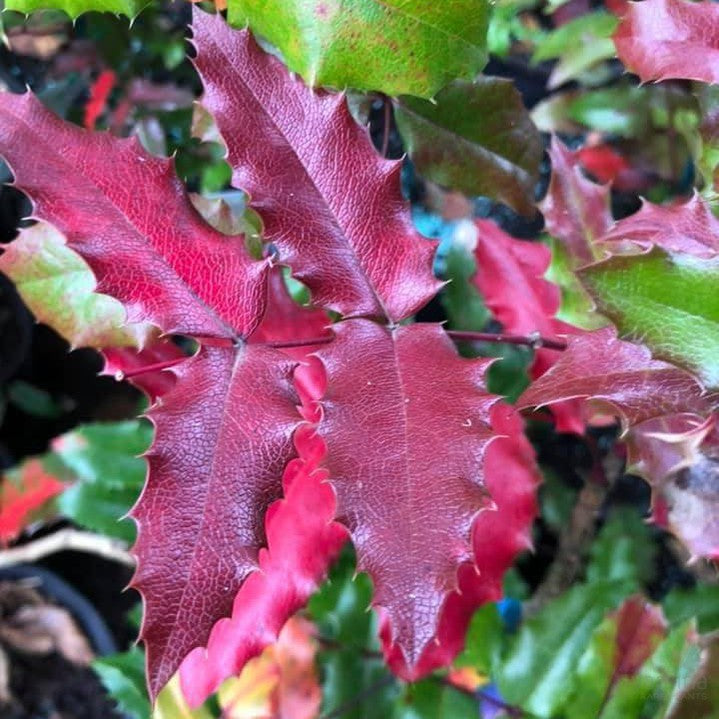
(599, 367)
(126, 213)
(475, 137)
(406, 425)
(665, 39)
(393, 46)
(329, 203)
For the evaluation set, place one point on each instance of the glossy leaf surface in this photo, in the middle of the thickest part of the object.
(598, 366)
(475, 137)
(393, 46)
(646, 296)
(86, 185)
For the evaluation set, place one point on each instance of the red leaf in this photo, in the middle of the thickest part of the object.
(640, 628)
(512, 478)
(329, 202)
(302, 542)
(679, 456)
(599, 367)
(99, 94)
(120, 361)
(688, 227)
(21, 495)
(602, 161)
(576, 211)
(664, 39)
(223, 438)
(406, 422)
(127, 214)
(510, 277)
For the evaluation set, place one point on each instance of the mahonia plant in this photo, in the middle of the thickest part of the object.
(292, 428)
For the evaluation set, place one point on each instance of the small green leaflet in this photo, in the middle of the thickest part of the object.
(74, 8)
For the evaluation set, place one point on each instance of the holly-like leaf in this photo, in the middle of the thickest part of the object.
(393, 46)
(330, 205)
(510, 277)
(223, 438)
(689, 227)
(106, 195)
(512, 478)
(74, 8)
(23, 492)
(576, 211)
(58, 287)
(422, 497)
(302, 542)
(646, 297)
(664, 39)
(623, 376)
(475, 137)
(107, 473)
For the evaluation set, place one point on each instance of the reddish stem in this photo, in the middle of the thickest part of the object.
(129, 374)
(535, 340)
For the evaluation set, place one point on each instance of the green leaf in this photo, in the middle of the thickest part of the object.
(433, 699)
(476, 137)
(620, 110)
(462, 302)
(484, 641)
(576, 306)
(74, 8)
(109, 474)
(123, 675)
(59, 288)
(579, 44)
(649, 692)
(394, 46)
(538, 673)
(700, 602)
(670, 302)
(33, 400)
(354, 675)
(624, 551)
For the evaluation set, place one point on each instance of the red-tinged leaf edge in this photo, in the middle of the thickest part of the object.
(408, 385)
(303, 541)
(669, 39)
(196, 461)
(619, 376)
(512, 477)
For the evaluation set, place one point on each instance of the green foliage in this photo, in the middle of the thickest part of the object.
(475, 137)
(123, 675)
(74, 8)
(392, 46)
(624, 551)
(579, 44)
(354, 675)
(646, 297)
(108, 473)
(700, 602)
(537, 672)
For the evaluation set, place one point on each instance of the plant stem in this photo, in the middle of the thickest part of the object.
(534, 340)
(129, 374)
